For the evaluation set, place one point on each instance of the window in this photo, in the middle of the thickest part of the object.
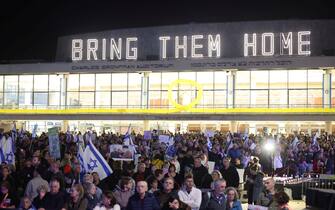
(25, 98)
(54, 99)
(119, 99)
(315, 78)
(315, 98)
(72, 99)
(220, 80)
(220, 99)
(87, 82)
(298, 98)
(154, 81)
(102, 99)
(86, 99)
(11, 99)
(278, 79)
(73, 82)
(205, 79)
(242, 98)
(278, 98)
(26, 83)
(40, 99)
(134, 99)
(155, 99)
(1, 83)
(207, 100)
(103, 82)
(259, 98)
(168, 78)
(55, 82)
(297, 79)
(41, 82)
(259, 79)
(119, 81)
(11, 83)
(134, 81)
(242, 80)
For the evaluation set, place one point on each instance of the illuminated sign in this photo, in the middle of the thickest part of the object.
(194, 46)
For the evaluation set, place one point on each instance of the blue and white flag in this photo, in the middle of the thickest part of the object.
(14, 132)
(230, 142)
(68, 135)
(7, 152)
(94, 162)
(209, 143)
(127, 137)
(34, 131)
(80, 157)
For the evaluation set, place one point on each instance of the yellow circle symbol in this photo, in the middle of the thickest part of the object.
(185, 82)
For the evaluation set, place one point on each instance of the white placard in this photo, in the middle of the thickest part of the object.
(211, 165)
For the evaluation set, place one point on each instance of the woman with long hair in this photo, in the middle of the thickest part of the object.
(77, 200)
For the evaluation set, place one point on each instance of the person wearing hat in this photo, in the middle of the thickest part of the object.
(35, 183)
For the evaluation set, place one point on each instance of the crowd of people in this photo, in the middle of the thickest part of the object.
(164, 176)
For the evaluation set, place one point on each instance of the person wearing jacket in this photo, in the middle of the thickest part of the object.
(232, 202)
(123, 191)
(77, 200)
(142, 200)
(266, 198)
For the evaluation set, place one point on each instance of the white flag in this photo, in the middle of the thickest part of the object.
(95, 162)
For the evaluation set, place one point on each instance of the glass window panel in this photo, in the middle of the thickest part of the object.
(11, 98)
(134, 99)
(155, 99)
(119, 99)
(242, 80)
(11, 84)
(315, 78)
(41, 82)
(103, 82)
(278, 98)
(207, 100)
(73, 82)
(205, 79)
(298, 98)
(259, 98)
(1, 98)
(54, 82)
(1, 83)
(87, 82)
(168, 78)
(220, 80)
(187, 75)
(165, 99)
(155, 81)
(72, 99)
(220, 99)
(119, 81)
(54, 99)
(242, 98)
(278, 79)
(86, 99)
(259, 79)
(135, 81)
(333, 79)
(26, 83)
(103, 99)
(297, 79)
(40, 99)
(25, 98)
(315, 98)
(185, 97)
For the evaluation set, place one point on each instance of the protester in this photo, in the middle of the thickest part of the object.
(174, 203)
(77, 200)
(232, 199)
(230, 174)
(108, 202)
(168, 191)
(55, 199)
(215, 200)
(266, 198)
(142, 200)
(189, 194)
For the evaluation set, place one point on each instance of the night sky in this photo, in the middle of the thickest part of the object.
(29, 29)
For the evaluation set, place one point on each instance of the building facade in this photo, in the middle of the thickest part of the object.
(244, 75)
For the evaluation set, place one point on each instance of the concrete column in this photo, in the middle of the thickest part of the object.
(145, 90)
(233, 126)
(328, 125)
(327, 88)
(146, 126)
(231, 88)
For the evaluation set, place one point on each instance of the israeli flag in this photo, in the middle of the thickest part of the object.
(14, 132)
(295, 142)
(68, 135)
(80, 157)
(94, 162)
(34, 131)
(209, 143)
(8, 150)
(230, 142)
(127, 137)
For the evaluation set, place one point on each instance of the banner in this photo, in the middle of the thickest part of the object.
(166, 139)
(147, 135)
(54, 148)
(122, 152)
